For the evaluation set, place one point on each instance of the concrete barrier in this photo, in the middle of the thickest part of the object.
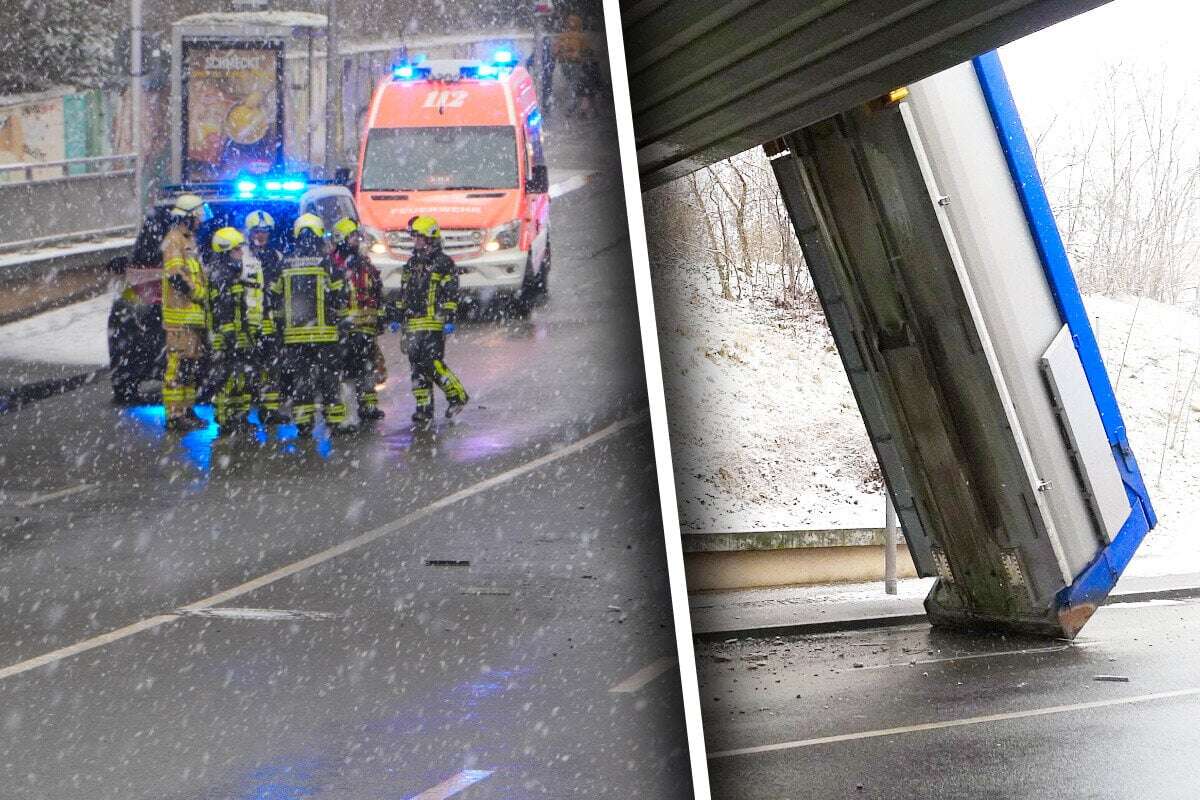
(43, 210)
(759, 559)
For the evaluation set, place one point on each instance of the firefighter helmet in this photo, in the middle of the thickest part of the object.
(189, 205)
(225, 240)
(343, 228)
(257, 220)
(311, 223)
(425, 226)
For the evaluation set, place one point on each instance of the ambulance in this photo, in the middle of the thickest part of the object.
(461, 141)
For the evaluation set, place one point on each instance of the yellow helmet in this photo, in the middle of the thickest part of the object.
(227, 239)
(189, 205)
(309, 222)
(259, 219)
(343, 228)
(425, 226)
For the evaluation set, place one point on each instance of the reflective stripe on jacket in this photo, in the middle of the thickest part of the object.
(364, 291)
(312, 298)
(183, 308)
(227, 298)
(267, 264)
(429, 291)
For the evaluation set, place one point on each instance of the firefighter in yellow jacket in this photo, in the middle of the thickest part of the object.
(361, 318)
(429, 305)
(184, 313)
(313, 299)
(233, 368)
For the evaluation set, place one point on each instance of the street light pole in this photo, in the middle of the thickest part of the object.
(333, 89)
(889, 546)
(135, 98)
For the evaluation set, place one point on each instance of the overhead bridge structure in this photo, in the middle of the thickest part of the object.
(912, 189)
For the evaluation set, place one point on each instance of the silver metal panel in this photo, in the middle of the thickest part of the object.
(1085, 432)
(909, 330)
(1026, 485)
(711, 78)
(1007, 277)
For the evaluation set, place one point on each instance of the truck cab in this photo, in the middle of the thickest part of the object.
(461, 141)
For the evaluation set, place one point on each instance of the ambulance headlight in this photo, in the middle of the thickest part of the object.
(373, 240)
(504, 237)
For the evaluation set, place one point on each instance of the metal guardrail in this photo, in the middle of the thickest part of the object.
(56, 201)
(70, 168)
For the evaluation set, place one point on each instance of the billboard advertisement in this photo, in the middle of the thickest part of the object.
(30, 132)
(232, 109)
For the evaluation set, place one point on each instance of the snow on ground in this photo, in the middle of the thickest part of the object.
(1158, 389)
(74, 334)
(765, 433)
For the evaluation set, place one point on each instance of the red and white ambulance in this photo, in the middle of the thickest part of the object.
(460, 141)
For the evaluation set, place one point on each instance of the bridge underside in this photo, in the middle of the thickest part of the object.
(712, 78)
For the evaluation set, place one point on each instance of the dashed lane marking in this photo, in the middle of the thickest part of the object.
(38, 499)
(952, 723)
(644, 675)
(325, 555)
(570, 184)
(453, 785)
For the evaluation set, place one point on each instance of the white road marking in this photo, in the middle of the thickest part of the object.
(644, 675)
(38, 499)
(85, 645)
(1027, 651)
(953, 723)
(324, 555)
(1143, 603)
(453, 785)
(258, 614)
(570, 184)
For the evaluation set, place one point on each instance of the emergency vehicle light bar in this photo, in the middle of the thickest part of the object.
(282, 184)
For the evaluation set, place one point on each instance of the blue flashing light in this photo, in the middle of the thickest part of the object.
(486, 71)
(276, 186)
(504, 57)
(404, 71)
(246, 187)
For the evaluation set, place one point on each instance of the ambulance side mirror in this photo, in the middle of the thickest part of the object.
(539, 181)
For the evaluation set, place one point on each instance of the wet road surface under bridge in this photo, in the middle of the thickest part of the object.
(909, 712)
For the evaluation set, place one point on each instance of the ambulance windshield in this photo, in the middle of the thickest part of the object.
(441, 158)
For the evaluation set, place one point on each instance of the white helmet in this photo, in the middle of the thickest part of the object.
(190, 205)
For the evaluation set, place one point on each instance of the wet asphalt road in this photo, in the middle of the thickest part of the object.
(489, 672)
(911, 712)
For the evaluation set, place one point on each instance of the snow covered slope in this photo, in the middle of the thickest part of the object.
(766, 435)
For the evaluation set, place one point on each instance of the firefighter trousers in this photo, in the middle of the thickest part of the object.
(268, 366)
(359, 365)
(426, 357)
(231, 383)
(312, 370)
(181, 378)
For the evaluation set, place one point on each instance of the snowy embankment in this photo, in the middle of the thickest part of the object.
(766, 435)
(74, 334)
